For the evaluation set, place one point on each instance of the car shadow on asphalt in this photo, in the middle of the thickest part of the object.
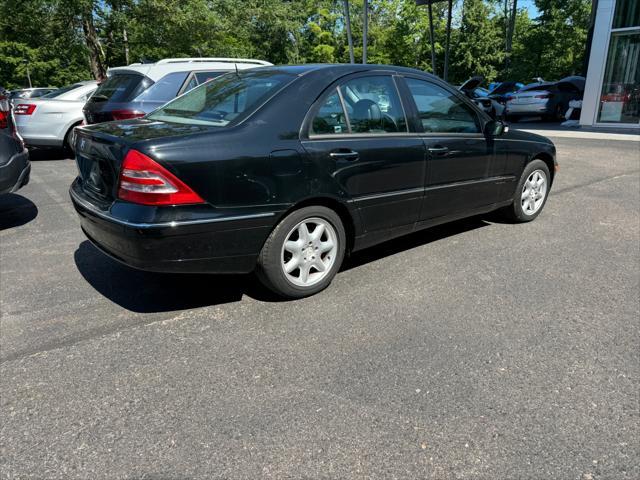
(413, 240)
(148, 292)
(16, 210)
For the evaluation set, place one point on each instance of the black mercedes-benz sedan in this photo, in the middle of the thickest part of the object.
(283, 170)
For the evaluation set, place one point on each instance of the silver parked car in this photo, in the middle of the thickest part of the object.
(35, 92)
(550, 100)
(48, 121)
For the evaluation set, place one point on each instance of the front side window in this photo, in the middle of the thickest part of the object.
(223, 101)
(442, 111)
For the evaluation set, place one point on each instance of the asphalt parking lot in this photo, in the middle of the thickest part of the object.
(476, 350)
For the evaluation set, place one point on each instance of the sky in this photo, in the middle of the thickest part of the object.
(533, 11)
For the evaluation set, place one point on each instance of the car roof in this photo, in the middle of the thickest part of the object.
(155, 71)
(341, 69)
(33, 89)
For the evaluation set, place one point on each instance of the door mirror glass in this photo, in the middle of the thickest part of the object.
(495, 128)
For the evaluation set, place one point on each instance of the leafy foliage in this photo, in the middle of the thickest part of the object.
(61, 41)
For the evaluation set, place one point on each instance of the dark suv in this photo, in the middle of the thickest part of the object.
(14, 158)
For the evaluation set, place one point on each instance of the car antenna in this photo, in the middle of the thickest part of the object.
(237, 73)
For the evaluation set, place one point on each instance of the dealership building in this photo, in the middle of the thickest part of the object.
(612, 90)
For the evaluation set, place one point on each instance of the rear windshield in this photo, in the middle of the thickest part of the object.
(164, 89)
(120, 87)
(60, 91)
(39, 93)
(225, 100)
(546, 87)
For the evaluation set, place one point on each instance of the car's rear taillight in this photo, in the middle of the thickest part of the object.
(144, 181)
(126, 114)
(544, 95)
(510, 98)
(5, 111)
(24, 109)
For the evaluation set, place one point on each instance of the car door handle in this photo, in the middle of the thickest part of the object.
(345, 155)
(439, 150)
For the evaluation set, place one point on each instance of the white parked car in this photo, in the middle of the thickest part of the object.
(48, 121)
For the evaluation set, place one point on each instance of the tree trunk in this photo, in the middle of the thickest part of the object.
(96, 54)
(448, 42)
(125, 40)
(432, 40)
(510, 31)
(347, 17)
(365, 28)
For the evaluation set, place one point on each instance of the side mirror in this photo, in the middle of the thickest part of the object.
(495, 128)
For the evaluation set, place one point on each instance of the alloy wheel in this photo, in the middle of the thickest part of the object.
(309, 252)
(534, 192)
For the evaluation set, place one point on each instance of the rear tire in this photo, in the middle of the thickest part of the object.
(303, 253)
(531, 193)
(67, 144)
(556, 116)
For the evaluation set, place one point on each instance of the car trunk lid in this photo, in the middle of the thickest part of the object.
(100, 150)
(98, 158)
(529, 97)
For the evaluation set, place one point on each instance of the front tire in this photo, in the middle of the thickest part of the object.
(303, 253)
(531, 193)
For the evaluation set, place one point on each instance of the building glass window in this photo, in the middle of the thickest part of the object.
(620, 98)
(627, 14)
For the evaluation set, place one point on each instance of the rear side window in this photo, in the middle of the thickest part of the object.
(331, 118)
(121, 87)
(164, 89)
(373, 105)
(206, 76)
(441, 110)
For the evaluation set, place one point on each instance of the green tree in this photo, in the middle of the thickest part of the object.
(558, 40)
(479, 47)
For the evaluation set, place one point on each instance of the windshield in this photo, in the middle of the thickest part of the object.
(225, 100)
(62, 90)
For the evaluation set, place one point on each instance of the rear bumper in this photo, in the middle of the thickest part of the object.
(219, 244)
(531, 109)
(15, 173)
(36, 134)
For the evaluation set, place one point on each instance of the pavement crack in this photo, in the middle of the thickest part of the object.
(87, 336)
(594, 182)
